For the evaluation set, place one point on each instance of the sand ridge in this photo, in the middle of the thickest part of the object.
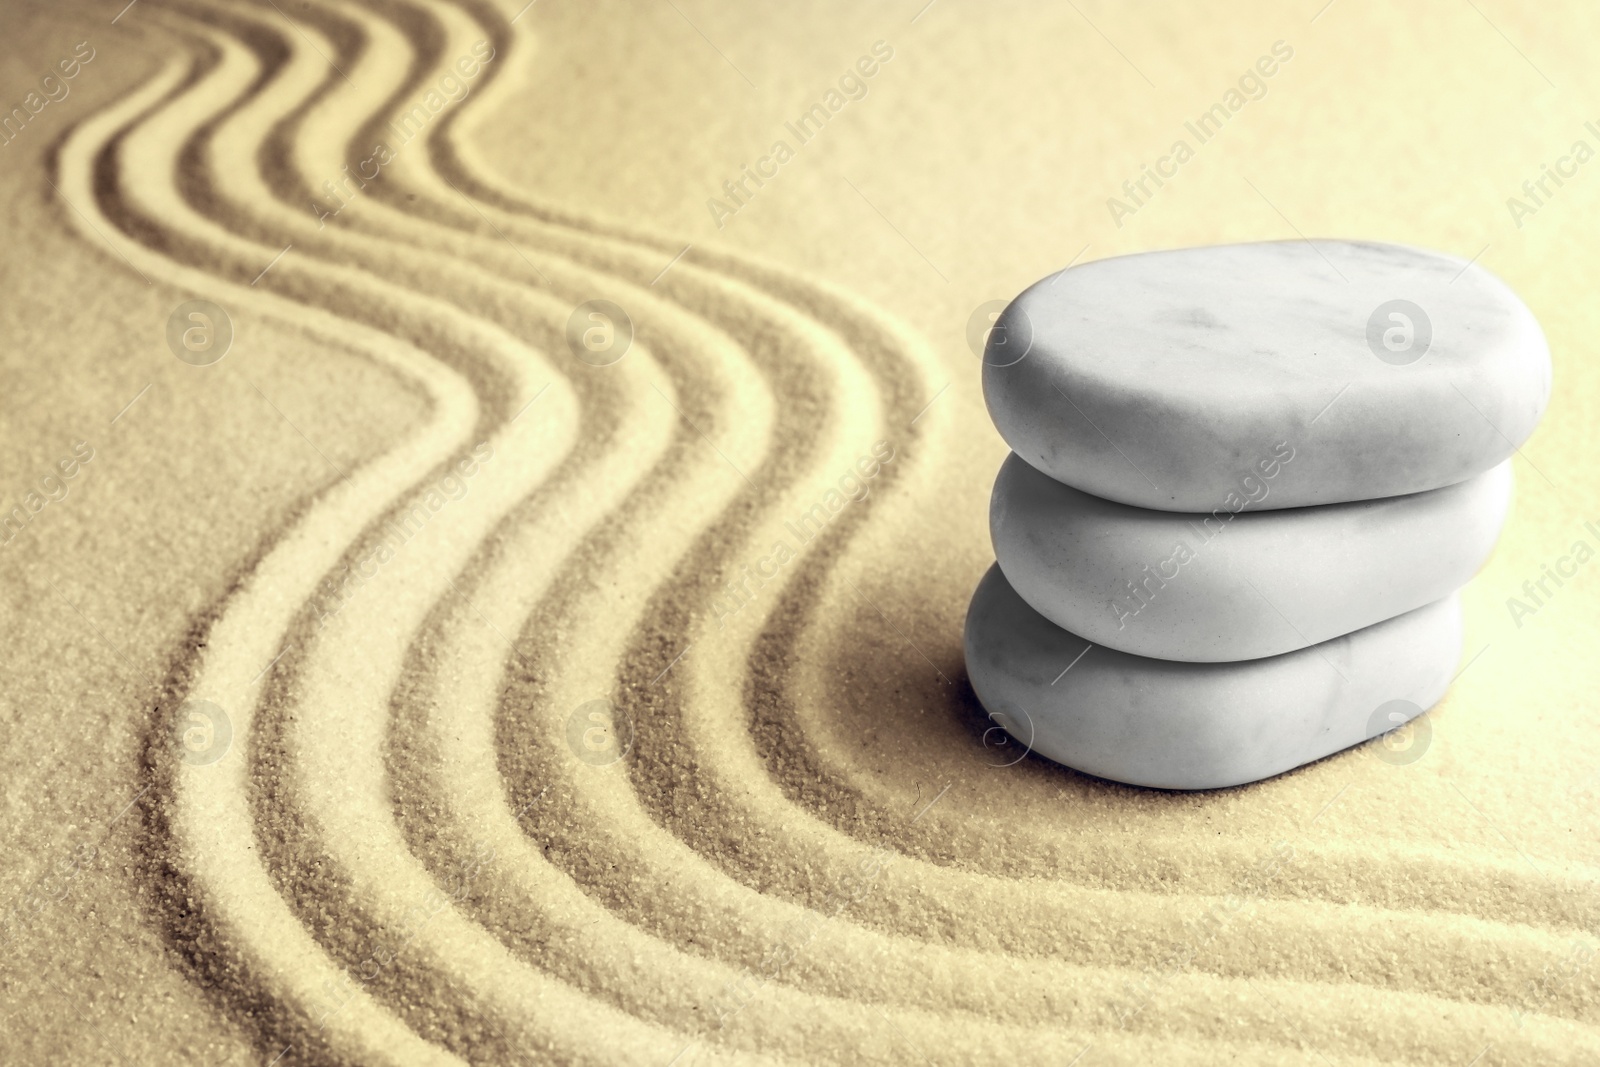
(402, 859)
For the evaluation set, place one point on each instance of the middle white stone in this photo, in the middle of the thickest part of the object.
(1235, 585)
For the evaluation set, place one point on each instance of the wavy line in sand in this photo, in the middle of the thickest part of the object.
(209, 816)
(239, 77)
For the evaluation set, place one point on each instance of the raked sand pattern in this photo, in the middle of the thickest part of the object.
(577, 722)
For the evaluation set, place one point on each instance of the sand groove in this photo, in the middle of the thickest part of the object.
(619, 913)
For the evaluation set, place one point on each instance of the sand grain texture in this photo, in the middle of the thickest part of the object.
(815, 848)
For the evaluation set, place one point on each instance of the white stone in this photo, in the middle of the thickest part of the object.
(1199, 725)
(1161, 379)
(1236, 585)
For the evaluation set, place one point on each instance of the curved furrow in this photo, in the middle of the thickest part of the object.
(322, 898)
(341, 635)
(207, 814)
(233, 76)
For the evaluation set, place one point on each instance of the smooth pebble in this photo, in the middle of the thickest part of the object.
(1235, 586)
(1162, 379)
(1151, 722)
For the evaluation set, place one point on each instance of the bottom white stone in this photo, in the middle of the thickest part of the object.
(1175, 725)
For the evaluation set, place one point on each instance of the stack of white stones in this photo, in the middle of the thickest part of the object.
(1245, 484)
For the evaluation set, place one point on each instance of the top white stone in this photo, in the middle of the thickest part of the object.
(1160, 379)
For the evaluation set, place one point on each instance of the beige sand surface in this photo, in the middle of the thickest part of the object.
(412, 849)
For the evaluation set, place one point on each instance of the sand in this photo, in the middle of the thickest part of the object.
(415, 847)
